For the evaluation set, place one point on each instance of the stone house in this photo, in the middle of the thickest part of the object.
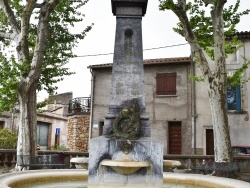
(56, 124)
(181, 118)
(168, 100)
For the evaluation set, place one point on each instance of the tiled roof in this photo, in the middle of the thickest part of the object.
(168, 60)
(175, 60)
(243, 34)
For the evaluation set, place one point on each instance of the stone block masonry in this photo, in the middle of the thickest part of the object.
(78, 133)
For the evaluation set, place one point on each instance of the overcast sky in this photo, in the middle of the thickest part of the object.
(156, 29)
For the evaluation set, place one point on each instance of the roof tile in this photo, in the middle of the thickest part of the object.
(151, 62)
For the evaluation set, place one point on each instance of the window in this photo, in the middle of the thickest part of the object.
(233, 99)
(166, 83)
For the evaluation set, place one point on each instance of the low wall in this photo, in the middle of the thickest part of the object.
(8, 158)
(196, 160)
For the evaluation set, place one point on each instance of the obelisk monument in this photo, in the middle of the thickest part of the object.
(127, 72)
(127, 139)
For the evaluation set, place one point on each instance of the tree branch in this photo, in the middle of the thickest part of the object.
(189, 35)
(23, 46)
(52, 4)
(219, 41)
(10, 16)
(39, 51)
(39, 5)
(11, 36)
(220, 5)
(207, 2)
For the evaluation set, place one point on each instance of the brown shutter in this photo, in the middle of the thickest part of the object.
(166, 84)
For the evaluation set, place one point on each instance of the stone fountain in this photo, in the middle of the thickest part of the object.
(126, 156)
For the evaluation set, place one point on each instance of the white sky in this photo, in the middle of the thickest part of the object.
(157, 32)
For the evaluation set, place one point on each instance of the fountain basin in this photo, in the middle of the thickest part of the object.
(205, 181)
(11, 180)
(125, 167)
(171, 163)
(83, 161)
(15, 179)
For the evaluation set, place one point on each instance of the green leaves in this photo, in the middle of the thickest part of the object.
(196, 78)
(237, 78)
(8, 84)
(60, 42)
(8, 140)
(201, 22)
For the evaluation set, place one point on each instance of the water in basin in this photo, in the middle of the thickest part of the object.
(83, 184)
(58, 184)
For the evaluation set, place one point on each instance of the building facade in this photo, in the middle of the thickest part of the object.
(238, 104)
(63, 124)
(178, 107)
(167, 98)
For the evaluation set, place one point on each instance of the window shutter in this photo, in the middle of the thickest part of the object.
(166, 84)
(238, 99)
(233, 99)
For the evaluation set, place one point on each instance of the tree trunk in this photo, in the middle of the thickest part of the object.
(30, 71)
(26, 145)
(222, 143)
(216, 79)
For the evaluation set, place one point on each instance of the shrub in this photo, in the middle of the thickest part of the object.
(59, 148)
(8, 140)
(181, 167)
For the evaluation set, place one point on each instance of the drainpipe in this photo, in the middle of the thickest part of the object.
(238, 59)
(194, 115)
(91, 107)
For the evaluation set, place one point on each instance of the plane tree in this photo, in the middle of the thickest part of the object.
(206, 24)
(36, 41)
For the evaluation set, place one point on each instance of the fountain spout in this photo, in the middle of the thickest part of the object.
(125, 167)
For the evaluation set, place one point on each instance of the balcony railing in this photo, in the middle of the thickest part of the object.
(79, 105)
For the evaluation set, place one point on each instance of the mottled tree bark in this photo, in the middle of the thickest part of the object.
(26, 146)
(216, 79)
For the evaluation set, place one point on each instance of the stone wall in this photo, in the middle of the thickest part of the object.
(78, 133)
(61, 98)
(161, 109)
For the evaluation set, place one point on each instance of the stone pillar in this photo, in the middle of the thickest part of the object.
(127, 86)
(127, 73)
(78, 133)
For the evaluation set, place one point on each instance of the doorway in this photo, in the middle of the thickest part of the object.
(174, 135)
(42, 134)
(209, 142)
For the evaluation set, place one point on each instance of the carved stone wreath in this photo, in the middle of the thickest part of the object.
(127, 125)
